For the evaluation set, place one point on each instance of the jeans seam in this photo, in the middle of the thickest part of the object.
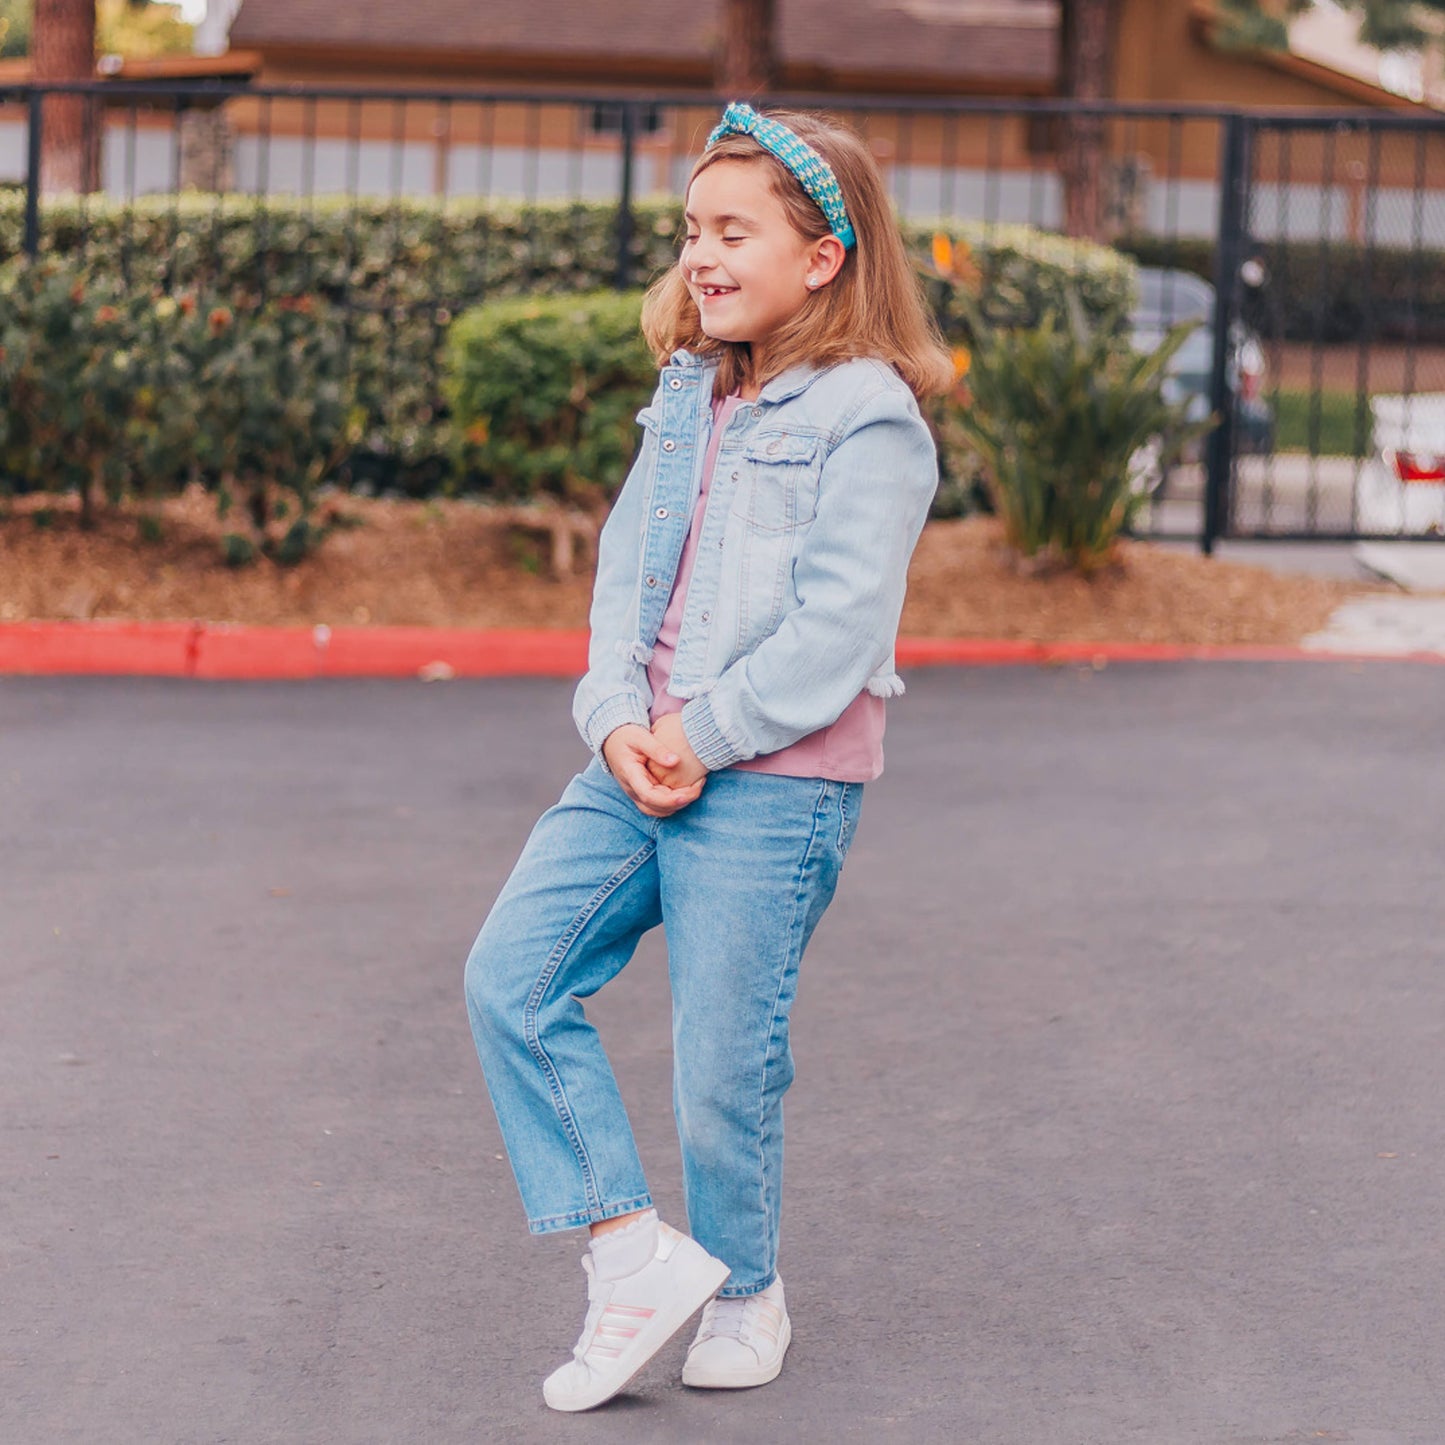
(529, 1014)
(772, 1243)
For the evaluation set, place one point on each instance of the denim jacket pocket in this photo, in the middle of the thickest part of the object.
(776, 498)
(778, 488)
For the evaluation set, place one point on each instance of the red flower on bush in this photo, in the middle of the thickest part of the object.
(106, 315)
(220, 319)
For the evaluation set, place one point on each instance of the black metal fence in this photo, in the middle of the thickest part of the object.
(1323, 236)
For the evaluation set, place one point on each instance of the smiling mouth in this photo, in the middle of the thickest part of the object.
(711, 293)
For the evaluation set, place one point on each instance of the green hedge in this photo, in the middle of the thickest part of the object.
(399, 273)
(544, 391)
(1024, 276)
(1334, 293)
(115, 391)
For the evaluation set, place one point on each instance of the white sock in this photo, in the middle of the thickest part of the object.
(620, 1252)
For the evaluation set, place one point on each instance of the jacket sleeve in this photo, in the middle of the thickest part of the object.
(849, 576)
(614, 690)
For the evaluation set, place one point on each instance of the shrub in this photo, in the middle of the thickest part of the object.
(529, 381)
(981, 280)
(1056, 414)
(1017, 277)
(544, 392)
(83, 400)
(271, 415)
(399, 271)
(112, 391)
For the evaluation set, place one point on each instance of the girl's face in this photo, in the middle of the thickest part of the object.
(745, 266)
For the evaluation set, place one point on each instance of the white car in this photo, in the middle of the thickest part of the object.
(1402, 486)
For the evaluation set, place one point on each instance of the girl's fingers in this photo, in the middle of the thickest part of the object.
(653, 748)
(644, 788)
(654, 798)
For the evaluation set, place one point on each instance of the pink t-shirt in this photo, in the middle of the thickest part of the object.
(849, 750)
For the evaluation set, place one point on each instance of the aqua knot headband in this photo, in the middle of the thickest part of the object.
(814, 174)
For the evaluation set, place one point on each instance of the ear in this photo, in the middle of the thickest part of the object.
(825, 260)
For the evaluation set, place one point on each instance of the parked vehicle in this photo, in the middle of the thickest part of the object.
(1167, 297)
(1402, 486)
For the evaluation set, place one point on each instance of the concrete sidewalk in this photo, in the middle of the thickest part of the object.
(1120, 1064)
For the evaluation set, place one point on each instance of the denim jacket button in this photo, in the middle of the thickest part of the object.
(757, 412)
(736, 475)
(669, 445)
(661, 512)
(652, 581)
(675, 384)
(707, 616)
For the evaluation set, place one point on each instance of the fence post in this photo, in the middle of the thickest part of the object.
(32, 177)
(1228, 257)
(625, 220)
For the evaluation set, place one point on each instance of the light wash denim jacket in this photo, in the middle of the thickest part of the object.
(818, 495)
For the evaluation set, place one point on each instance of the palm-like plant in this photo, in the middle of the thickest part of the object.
(1057, 415)
(1057, 412)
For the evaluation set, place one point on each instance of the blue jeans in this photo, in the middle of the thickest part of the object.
(740, 878)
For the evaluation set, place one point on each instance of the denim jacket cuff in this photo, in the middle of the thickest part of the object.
(609, 715)
(706, 738)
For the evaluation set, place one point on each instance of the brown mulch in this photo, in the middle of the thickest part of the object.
(965, 583)
(452, 563)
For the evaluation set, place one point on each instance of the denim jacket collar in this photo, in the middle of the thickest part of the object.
(783, 387)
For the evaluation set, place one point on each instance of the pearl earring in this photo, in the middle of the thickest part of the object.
(812, 280)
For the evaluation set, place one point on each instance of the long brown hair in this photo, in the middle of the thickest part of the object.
(874, 305)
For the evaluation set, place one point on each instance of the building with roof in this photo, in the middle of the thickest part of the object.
(486, 97)
(868, 47)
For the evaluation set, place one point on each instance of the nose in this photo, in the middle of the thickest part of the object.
(700, 258)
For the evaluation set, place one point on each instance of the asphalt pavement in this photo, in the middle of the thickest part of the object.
(1121, 1059)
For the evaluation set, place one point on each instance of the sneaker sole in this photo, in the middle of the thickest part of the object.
(660, 1329)
(701, 1378)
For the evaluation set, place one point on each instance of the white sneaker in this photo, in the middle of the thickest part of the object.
(740, 1342)
(630, 1319)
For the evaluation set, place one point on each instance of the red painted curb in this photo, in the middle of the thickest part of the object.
(154, 649)
(236, 652)
(452, 652)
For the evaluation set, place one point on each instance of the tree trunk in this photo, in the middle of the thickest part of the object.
(746, 60)
(1087, 62)
(62, 49)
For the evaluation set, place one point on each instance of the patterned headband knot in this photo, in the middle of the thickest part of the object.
(814, 174)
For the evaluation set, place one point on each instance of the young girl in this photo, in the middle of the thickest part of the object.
(749, 585)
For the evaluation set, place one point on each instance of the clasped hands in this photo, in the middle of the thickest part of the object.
(656, 768)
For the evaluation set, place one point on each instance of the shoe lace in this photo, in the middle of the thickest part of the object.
(725, 1317)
